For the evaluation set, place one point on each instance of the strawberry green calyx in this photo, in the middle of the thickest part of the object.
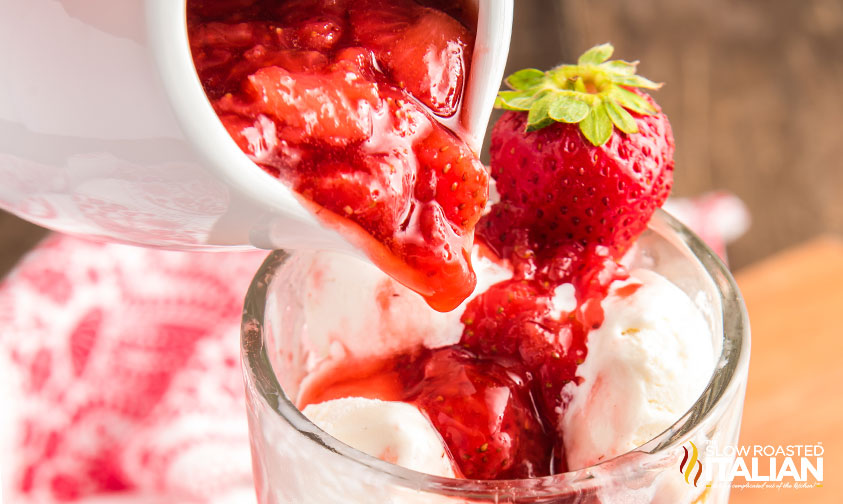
(594, 93)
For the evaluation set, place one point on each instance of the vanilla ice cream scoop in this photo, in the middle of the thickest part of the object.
(646, 366)
(396, 432)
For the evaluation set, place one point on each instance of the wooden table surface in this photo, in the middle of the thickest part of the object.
(795, 304)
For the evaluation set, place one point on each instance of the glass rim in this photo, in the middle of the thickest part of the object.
(733, 362)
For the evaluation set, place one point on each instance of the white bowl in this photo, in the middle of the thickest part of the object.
(105, 130)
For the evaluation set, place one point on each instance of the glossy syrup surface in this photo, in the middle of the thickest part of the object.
(497, 396)
(348, 102)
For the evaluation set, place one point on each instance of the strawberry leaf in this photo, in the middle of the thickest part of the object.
(539, 115)
(596, 55)
(598, 94)
(515, 100)
(597, 127)
(621, 118)
(568, 109)
(631, 101)
(525, 79)
(579, 86)
(636, 81)
(619, 67)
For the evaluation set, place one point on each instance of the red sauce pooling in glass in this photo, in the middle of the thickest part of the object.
(496, 397)
(347, 101)
(482, 407)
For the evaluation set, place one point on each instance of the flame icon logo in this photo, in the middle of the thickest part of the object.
(686, 467)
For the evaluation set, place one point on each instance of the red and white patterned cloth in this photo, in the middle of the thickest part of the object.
(120, 376)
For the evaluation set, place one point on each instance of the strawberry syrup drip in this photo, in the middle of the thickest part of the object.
(496, 397)
(482, 407)
(355, 104)
(332, 97)
(515, 320)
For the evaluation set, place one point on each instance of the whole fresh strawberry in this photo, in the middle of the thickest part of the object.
(581, 160)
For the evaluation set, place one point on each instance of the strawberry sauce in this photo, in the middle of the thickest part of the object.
(496, 396)
(483, 408)
(347, 102)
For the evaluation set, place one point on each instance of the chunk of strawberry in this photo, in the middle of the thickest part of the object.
(333, 108)
(424, 50)
(482, 409)
(291, 11)
(450, 173)
(514, 319)
(256, 137)
(374, 198)
(380, 24)
(444, 45)
(230, 36)
(318, 33)
(319, 110)
(225, 53)
(495, 321)
(220, 8)
(260, 56)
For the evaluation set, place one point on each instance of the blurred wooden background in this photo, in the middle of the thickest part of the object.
(754, 90)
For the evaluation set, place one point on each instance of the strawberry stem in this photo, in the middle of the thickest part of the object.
(595, 94)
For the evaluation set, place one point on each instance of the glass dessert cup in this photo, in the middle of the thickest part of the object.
(295, 461)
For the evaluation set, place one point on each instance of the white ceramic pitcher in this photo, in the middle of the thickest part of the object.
(105, 130)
